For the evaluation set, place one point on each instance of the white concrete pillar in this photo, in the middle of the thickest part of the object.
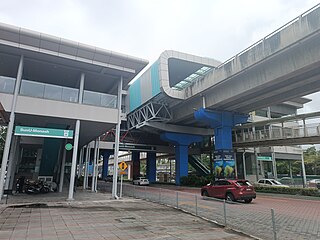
(274, 164)
(97, 167)
(244, 164)
(63, 164)
(304, 177)
(89, 159)
(74, 160)
(117, 138)
(80, 162)
(85, 179)
(81, 88)
(10, 126)
(94, 164)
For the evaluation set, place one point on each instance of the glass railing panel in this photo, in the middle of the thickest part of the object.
(53, 92)
(99, 99)
(69, 94)
(91, 98)
(32, 89)
(109, 101)
(7, 84)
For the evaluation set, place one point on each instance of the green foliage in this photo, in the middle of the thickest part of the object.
(312, 161)
(292, 190)
(195, 181)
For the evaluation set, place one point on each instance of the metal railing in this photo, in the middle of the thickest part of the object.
(250, 219)
(276, 133)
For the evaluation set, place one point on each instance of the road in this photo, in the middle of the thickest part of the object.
(295, 218)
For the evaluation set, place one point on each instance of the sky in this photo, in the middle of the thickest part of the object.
(217, 29)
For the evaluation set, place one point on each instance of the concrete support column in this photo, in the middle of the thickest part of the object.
(181, 142)
(85, 179)
(97, 167)
(10, 126)
(62, 170)
(222, 122)
(117, 139)
(81, 88)
(244, 165)
(135, 164)
(81, 162)
(181, 162)
(151, 167)
(303, 168)
(94, 164)
(257, 164)
(130, 171)
(274, 164)
(74, 160)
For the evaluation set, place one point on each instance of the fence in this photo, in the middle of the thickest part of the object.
(248, 218)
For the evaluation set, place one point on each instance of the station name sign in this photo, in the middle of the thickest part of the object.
(43, 132)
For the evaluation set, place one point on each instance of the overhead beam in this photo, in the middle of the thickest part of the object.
(180, 129)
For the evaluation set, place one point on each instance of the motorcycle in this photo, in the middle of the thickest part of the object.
(36, 187)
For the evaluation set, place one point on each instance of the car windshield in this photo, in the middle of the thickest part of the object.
(244, 183)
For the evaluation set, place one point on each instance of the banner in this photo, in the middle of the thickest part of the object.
(224, 164)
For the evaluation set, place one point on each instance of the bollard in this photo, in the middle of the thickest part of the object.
(160, 196)
(196, 198)
(177, 193)
(225, 212)
(273, 224)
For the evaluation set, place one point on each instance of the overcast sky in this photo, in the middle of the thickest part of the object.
(144, 28)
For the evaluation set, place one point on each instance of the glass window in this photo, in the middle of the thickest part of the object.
(7, 84)
(32, 89)
(53, 92)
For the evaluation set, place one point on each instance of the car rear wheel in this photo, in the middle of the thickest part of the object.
(248, 200)
(230, 197)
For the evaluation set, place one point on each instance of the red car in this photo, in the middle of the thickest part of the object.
(231, 190)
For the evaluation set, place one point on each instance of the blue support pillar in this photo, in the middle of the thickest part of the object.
(151, 167)
(181, 142)
(135, 164)
(106, 155)
(222, 122)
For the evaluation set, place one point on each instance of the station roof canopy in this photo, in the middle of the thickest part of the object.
(44, 52)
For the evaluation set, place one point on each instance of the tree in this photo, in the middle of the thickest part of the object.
(312, 161)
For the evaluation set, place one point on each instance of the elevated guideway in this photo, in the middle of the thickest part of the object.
(281, 66)
(286, 131)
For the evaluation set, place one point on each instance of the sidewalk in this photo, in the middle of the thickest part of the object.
(97, 216)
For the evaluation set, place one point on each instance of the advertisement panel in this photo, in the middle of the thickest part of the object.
(224, 164)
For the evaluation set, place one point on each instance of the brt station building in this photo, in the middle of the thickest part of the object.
(54, 91)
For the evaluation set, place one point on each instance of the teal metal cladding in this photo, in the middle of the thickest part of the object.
(155, 81)
(145, 87)
(135, 94)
